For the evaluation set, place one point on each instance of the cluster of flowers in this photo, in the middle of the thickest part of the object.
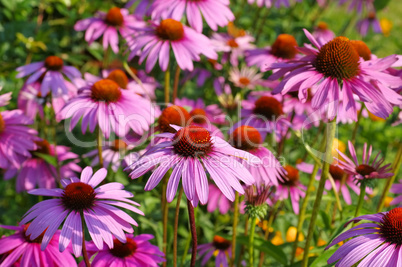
(329, 79)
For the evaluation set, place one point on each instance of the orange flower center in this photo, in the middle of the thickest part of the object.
(119, 145)
(322, 25)
(114, 17)
(105, 90)
(170, 29)
(192, 141)
(43, 147)
(173, 115)
(336, 172)
(198, 115)
(54, 63)
(292, 178)
(371, 15)
(232, 43)
(268, 107)
(122, 250)
(221, 243)
(244, 81)
(364, 169)
(37, 240)
(362, 49)
(338, 59)
(78, 196)
(234, 31)
(284, 46)
(119, 77)
(245, 138)
(2, 124)
(391, 226)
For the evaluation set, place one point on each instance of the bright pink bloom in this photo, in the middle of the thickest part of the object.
(142, 9)
(137, 251)
(374, 243)
(155, 40)
(99, 206)
(109, 24)
(220, 247)
(245, 78)
(20, 250)
(215, 12)
(233, 45)
(217, 200)
(323, 33)
(50, 75)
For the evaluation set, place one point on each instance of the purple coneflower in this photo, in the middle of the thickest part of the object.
(366, 170)
(16, 139)
(359, 4)
(364, 24)
(142, 9)
(19, 250)
(374, 243)
(105, 104)
(191, 152)
(283, 49)
(217, 200)
(246, 78)
(215, 12)
(336, 64)
(220, 247)
(109, 24)
(323, 33)
(155, 40)
(137, 251)
(50, 75)
(79, 197)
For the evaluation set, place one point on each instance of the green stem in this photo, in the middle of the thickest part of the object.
(261, 26)
(54, 133)
(395, 167)
(99, 143)
(359, 116)
(186, 248)
(251, 242)
(167, 86)
(331, 127)
(242, 247)
(176, 83)
(234, 228)
(176, 225)
(84, 249)
(269, 224)
(165, 210)
(361, 198)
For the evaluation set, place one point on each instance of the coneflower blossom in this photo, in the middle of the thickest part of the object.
(109, 24)
(374, 243)
(364, 24)
(137, 251)
(191, 152)
(322, 32)
(50, 75)
(155, 40)
(80, 197)
(220, 247)
(246, 78)
(19, 250)
(215, 12)
(336, 72)
(142, 9)
(365, 170)
(105, 104)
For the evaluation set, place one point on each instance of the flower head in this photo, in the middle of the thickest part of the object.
(246, 77)
(374, 243)
(322, 32)
(364, 24)
(80, 197)
(220, 247)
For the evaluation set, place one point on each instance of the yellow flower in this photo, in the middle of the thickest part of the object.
(338, 145)
(386, 26)
(387, 202)
(277, 239)
(291, 235)
(321, 242)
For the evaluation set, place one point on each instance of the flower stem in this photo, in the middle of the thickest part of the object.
(167, 86)
(331, 127)
(176, 224)
(176, 83)
(165, 210)
(395, 168)
(193, 232)
(361, 197)
(242, 247)
(234, 228)
(54, 133)
(359, 116)
(269, 224)
(84, 249)
(253, 221)
(99, 142)
(261, 26)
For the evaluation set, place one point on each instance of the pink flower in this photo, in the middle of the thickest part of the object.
(109, 24)
(137, 251)
(16, 139)
(192, 151)
(364, 24)
(269, 3)
(113, 109)
(215, 12)
(20, 250)
(374, 243)
(155, 40)
(80, 197)
(246, 78)
(220, 247)
(334, 62)
(142, 9)
(4, 98)
(217, 200)
(323, 33)
(50, 75)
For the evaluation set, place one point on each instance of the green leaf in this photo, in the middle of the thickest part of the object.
(49, 159)
(380, 4)
(321, 260)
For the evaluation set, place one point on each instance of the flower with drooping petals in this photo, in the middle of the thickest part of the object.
(283, 49)
(220, 247)
(365, 170)
(16, 139)
(109, 24)
(374, 243)
(336, 72)
(50, 75)
(364, 24)
(80, 197)
(20, 250)
(156, 39)
(359, 5)
(137, 251)
(215, 12)
(105, 104)
(245, 77)
(217, 200)
(224, 94)
(191, 152)
(323, 32)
